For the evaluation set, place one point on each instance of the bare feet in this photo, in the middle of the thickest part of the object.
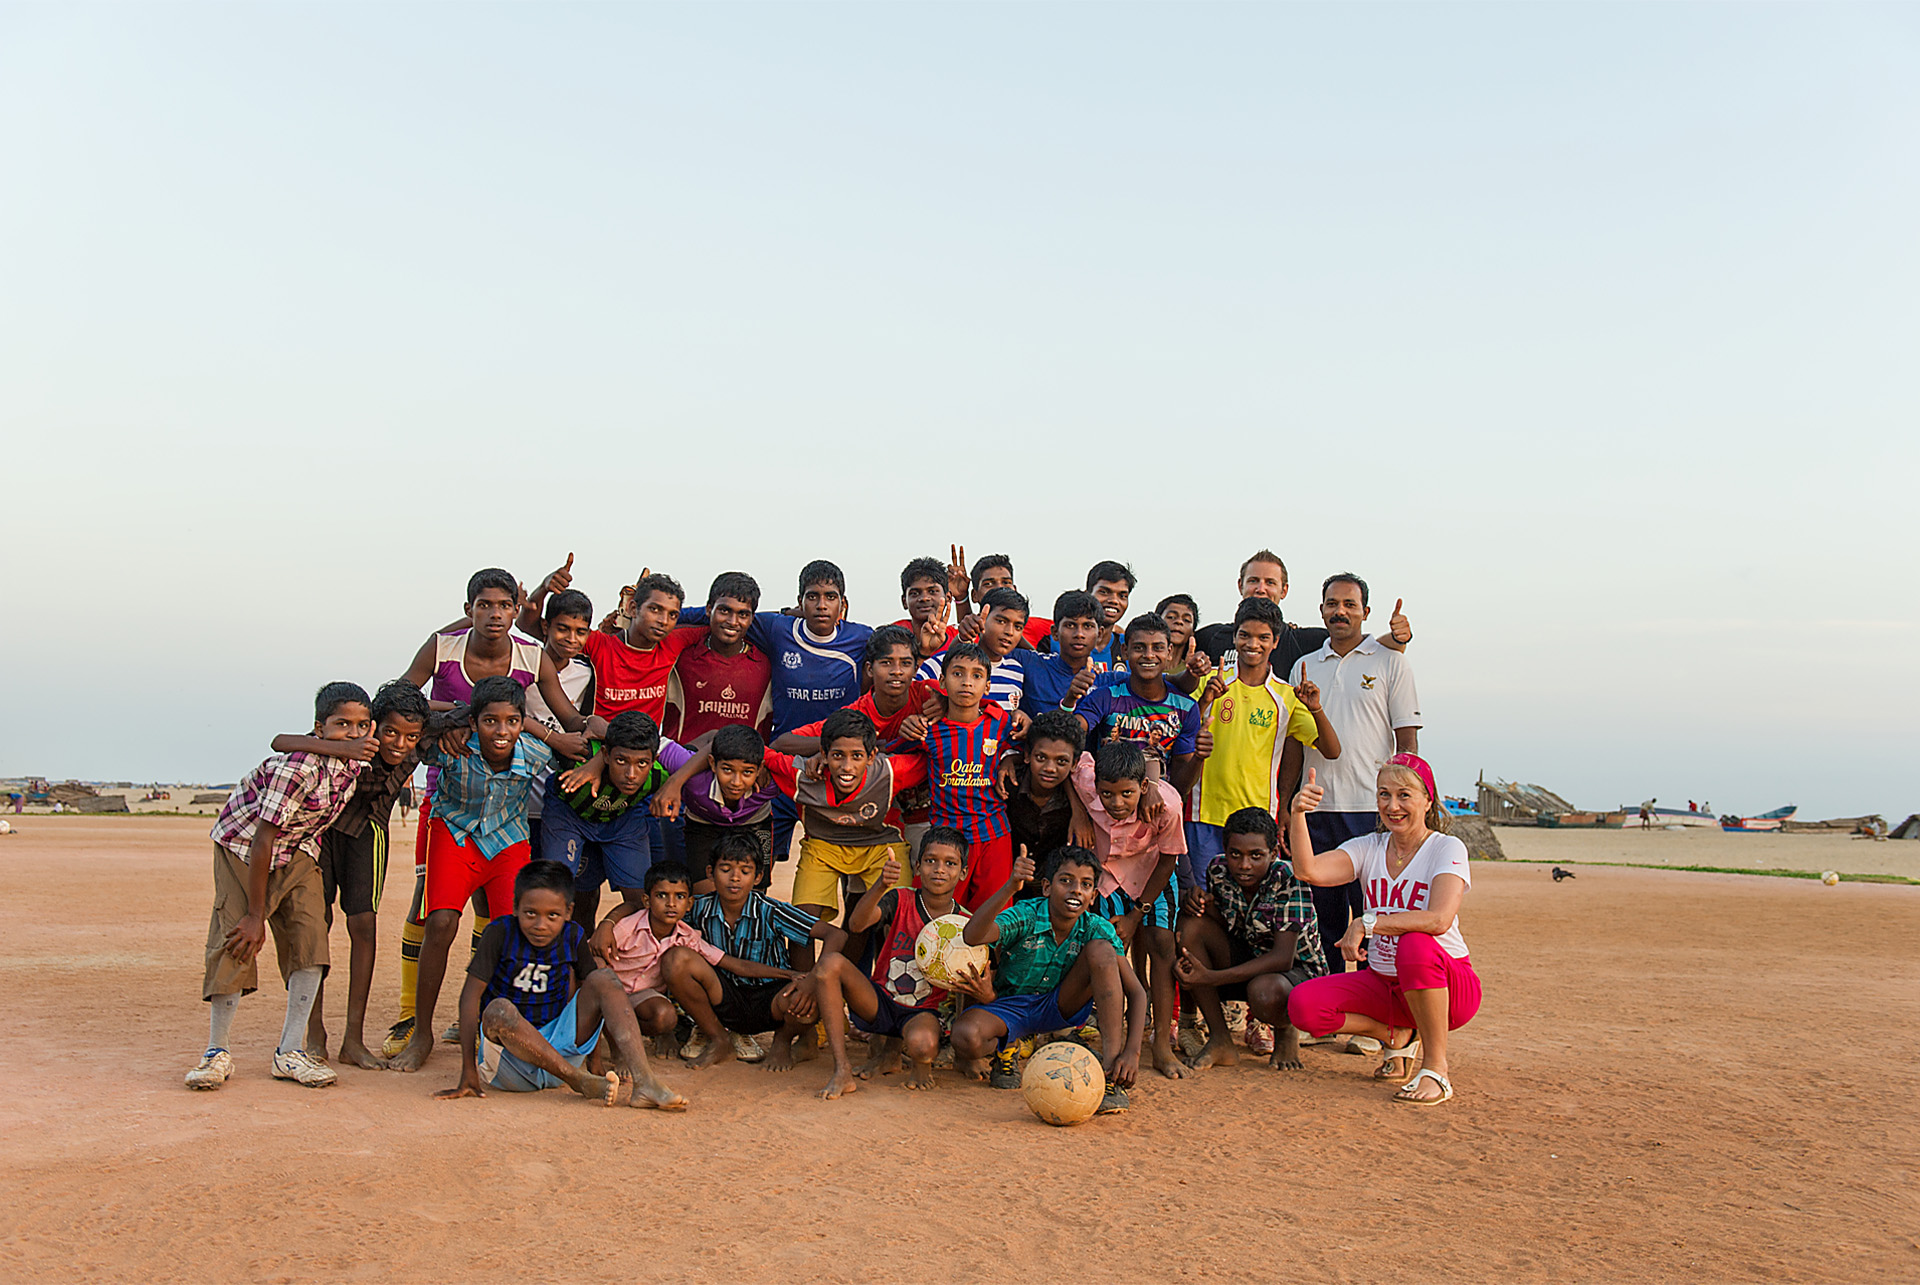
(1217, 1051)
(974, 1068)
(883, 1058)
(780, 1057)
(1165, 1062)
(354, 1053)
(1286, 1049)
(804, 1047)
(414, 1055)
(649, 1092)
(664, 1046)
(316, 1040)
(843, 1082)
(717, 1051)
(920, 1075)
(609, 1088)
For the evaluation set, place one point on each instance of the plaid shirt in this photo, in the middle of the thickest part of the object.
(761, 935)
(485, 808)
(1280, 904)
(300, 793)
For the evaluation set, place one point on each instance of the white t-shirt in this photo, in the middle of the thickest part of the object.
(1441, 854)
(1367, 693)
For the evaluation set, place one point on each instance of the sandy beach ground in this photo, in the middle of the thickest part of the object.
(1675, 1076)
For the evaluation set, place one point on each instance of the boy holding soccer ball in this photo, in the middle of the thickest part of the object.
(1058, 964)
(894, 1001)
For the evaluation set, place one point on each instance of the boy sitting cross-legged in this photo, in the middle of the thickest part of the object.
(737, 919)
(1252, 935)
(266, 842)
(1058, 964)
(893, 1002)
(533, 990)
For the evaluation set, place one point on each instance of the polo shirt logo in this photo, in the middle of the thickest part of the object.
(1366, 682)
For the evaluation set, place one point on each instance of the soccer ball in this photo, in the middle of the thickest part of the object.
(1063, 1083)
(6, 827)
(942, 953)
(1828, 877)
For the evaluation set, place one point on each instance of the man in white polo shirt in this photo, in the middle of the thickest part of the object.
(1367, 691)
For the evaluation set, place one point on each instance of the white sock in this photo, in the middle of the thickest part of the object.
(302, 987)
(220, 1010)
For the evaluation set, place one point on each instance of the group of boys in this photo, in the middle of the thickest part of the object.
(1094, 796)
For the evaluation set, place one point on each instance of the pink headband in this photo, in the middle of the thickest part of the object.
(1419, 768)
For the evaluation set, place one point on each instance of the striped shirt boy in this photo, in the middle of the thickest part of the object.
(962, 759)
(761, 935)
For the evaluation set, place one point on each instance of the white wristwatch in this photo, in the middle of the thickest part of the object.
(1367, 922)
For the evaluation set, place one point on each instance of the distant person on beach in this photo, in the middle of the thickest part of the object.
(1368, 692)
(266, 873)
(353, 850)
(1646, 814)
(1419, 982)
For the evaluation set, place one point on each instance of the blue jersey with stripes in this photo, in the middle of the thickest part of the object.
(811, 678)
(538, 979)
(961, 762)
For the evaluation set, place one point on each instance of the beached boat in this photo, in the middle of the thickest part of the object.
(1766, 822)
(1664, 817)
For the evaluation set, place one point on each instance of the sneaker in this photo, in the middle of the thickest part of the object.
(399, 1035)
(1006, 1071)
(944, 1057)
(303, 1069)
(1089, 1037)
(1112, 1102)
(1237, 1016)
(748, 1049)
(451, 1035)
(1259, 1037)
(213, 1070)
(694, 1047)
(1190, 1040)
(1310, 1041)
(1364, 1045)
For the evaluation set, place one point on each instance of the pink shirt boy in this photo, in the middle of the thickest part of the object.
(635, 957)
(1130, 849)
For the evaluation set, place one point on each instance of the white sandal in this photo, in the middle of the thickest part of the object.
(1388, 1056)
(1446, 1089)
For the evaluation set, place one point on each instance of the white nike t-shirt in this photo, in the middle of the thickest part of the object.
(1441, 854)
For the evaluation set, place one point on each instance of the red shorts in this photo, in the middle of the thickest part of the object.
(420, 835)
(989, 862)
(456, 870)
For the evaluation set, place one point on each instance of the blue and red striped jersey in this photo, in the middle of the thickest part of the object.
(961, 761)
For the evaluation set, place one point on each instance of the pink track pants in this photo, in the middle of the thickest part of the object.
(1320, 1005)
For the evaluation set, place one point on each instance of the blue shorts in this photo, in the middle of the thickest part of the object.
(1206, 844)
(1163, 913)
(517, 1076)
(618, 852)
(1035, 1015)
(891, 1017)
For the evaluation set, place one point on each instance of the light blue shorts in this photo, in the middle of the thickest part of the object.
(517, 1076)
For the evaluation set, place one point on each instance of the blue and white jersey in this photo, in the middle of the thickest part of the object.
(811, 678)
(1005, 684)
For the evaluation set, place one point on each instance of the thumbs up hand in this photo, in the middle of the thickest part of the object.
(1397, 625)
(1309, 795)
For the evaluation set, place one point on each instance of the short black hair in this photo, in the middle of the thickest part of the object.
(492, 578)
(966, 651)
(1346, 577)
(1151, 623)
(1177, 600)
(1262, 611)
(988, 563)
(658, 582)
(550, 875)
(399, 698)
(334, 695)
(952, 836)
(923, 569)
(820, 571)
(1112, 573)
(1254, 821)
(849, 725)
(737, 844)
(666, 872)
(1070, 856)
(1059, 725)
(632, 729)
(737, 585)
(1119, 761)
(1076, 604)
(885, 639)
(1006, 598)
(497, 690)
(569, 602)
(736, 742)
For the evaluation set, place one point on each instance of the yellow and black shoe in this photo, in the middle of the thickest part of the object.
(1006, 1070)
(398, 1036)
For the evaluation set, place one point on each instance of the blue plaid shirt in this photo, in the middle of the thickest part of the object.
(761, 935)
(482, 807)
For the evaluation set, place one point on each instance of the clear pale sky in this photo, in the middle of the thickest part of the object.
(1591, 332)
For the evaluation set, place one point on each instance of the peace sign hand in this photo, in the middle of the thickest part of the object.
(959, 582)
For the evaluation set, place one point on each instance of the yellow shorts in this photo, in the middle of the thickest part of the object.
(816, 881)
